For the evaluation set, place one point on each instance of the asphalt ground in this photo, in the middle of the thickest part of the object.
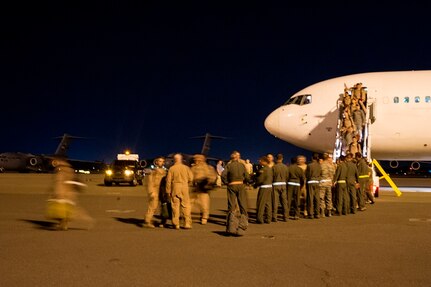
(387, 245)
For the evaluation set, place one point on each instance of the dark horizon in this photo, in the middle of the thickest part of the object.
(148, 76)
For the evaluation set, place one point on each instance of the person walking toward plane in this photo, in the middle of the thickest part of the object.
(354, 146)
(178, 180)
(340, 180)
(295, 181)
(352, 183)
(156, 190)
(264, 195)
(327, 173)
(234, 176)
(313, 197)
(364, 177)
(358, 116)
(280, 175)
(204, 178)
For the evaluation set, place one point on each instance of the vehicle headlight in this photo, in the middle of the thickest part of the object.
(108, 172)
(128, 172)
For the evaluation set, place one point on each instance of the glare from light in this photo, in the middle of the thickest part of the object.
(128, 172)
(108, 172)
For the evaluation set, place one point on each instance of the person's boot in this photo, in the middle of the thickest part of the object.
(149, 225)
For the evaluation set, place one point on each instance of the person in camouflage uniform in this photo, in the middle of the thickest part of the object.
(326, 178)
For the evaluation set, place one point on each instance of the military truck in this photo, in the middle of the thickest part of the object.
(125, 169)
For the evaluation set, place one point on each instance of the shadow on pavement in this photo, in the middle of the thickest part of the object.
(41, 224)
(225, 234)
(136, 221)
(217, 219)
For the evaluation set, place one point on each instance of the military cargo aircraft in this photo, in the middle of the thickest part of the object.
(27, 162)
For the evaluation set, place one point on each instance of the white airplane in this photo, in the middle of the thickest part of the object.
(400, 106)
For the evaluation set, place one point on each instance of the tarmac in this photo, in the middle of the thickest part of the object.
(386, 245)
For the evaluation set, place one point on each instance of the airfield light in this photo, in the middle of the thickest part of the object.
(108, 172)
(127, 152)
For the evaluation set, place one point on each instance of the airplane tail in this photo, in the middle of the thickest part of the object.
(63, 146)
(207, 142)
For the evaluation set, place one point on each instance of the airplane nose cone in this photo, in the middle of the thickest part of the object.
(272, 122)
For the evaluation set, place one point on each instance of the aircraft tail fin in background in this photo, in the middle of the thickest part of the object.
(207, 142)
(63, 146)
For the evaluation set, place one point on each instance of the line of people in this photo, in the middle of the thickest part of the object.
(330, 188)
(317, 189)
(353, 115)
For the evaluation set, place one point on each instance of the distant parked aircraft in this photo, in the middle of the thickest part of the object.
(27, 162)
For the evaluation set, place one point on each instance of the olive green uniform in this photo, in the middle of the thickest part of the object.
(341, 197)
(364, 177)
(280, 174)
(352, 179)
(295, 181)
(234, 176)
(313, 197)
(264, 195)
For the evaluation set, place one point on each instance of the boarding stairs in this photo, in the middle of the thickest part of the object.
(340, 147)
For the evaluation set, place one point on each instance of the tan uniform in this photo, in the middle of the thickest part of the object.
(177, 184)
(202, 174)
(155, 188)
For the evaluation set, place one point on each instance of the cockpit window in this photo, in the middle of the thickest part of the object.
(299, 100)
(306, 100)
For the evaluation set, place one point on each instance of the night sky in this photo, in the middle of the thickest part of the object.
(150, 76)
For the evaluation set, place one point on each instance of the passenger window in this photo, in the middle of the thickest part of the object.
(396, 100)
(427, 99)
(417, 99)
(406, 100)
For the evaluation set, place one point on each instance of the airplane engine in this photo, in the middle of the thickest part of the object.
(54, 163)
(393, 164)
(33, 161)
(415, 165)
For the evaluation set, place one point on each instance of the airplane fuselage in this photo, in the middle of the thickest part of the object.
(401, 107)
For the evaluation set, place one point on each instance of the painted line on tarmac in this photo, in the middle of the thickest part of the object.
(420, 220)
(120, 211)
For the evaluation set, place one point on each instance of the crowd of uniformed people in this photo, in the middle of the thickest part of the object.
(353, 118)
(315, 190)
(318, 189)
